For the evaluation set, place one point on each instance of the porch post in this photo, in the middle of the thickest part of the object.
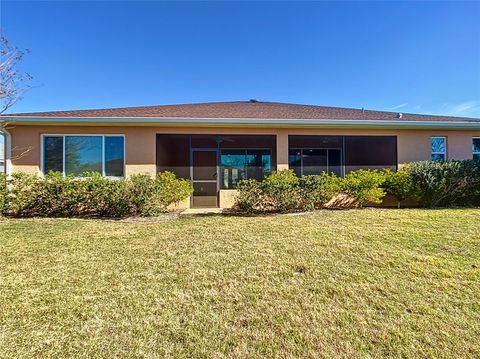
(282, 151)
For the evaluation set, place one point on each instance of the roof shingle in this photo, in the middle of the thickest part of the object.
(246, 109)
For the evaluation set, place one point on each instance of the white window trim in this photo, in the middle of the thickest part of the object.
(103, 135)
(439, 153)
(473, 152)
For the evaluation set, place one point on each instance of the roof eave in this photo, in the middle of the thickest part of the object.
(238, 122)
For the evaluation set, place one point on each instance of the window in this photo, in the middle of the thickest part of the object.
(439, 148)
(77, 154)
(83, 154)
(52, 154)
(114, 156)
(237, 165)
(476, 148)
(315, 161)
(295, 161)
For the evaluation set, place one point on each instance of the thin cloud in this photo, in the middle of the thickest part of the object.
(398, 106)
(465, 107)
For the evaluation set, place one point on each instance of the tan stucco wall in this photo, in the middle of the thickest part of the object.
(185, 204)
(139, 144)
(227, 198)
(413, 145)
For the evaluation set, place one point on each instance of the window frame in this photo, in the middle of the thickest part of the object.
(245, 154)
(445, 153)
(64, 135)
(473, 152)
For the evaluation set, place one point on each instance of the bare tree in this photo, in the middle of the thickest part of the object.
(13, 84)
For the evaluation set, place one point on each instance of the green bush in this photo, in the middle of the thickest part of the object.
(447, 183)
(283, 191)
(92, 195)
(364, 186)
(317, 190)
(152, 196)
(250, 196)
(278, 192)
(100, 196)
(3, 191)
(400, 184)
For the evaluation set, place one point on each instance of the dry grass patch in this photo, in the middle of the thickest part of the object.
(399, 283)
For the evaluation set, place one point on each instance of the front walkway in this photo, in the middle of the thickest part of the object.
(201, 211)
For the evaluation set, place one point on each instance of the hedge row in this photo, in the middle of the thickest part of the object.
(92, 195)
(429, 183)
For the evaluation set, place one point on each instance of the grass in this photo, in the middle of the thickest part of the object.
(358, 283)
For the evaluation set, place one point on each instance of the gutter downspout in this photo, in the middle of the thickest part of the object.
(8, 151)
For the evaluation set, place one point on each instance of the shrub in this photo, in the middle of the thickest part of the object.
(401, 184)
(250, 196)
(3, 191)
(21, 195)
(99, 196)
(278, 192)
(93, 195)
(447, 183)
(152, 196)
(364, 186)
(317, 190)
(283, 191)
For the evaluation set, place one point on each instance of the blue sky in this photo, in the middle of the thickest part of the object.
(421, 57)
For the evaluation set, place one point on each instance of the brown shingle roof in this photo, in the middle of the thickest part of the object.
(246, 109)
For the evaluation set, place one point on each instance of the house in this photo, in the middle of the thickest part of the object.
(217, 144)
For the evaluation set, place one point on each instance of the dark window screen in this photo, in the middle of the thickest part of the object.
(173, 154)
(335, 162)
(370, 152)
(314, 141)
(314, 161)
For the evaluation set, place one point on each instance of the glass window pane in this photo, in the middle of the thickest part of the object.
(83, 154)
(258, 164)
(295, 161)
(476, 145)
(314, 162)
(53, 154)
(232, 164)
(476, 156)
(114, 156)
(438, 145)
(438, 157)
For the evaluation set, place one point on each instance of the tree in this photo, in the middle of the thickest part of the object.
(13, 84)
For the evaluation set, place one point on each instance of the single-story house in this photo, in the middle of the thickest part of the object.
(217, 144)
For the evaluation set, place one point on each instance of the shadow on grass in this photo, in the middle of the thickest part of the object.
(227, 213)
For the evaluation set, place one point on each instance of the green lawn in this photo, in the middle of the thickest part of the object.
(357, 283)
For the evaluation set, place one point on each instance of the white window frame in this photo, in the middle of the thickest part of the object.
(439, 153)
(473, 152)
(102, 135)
